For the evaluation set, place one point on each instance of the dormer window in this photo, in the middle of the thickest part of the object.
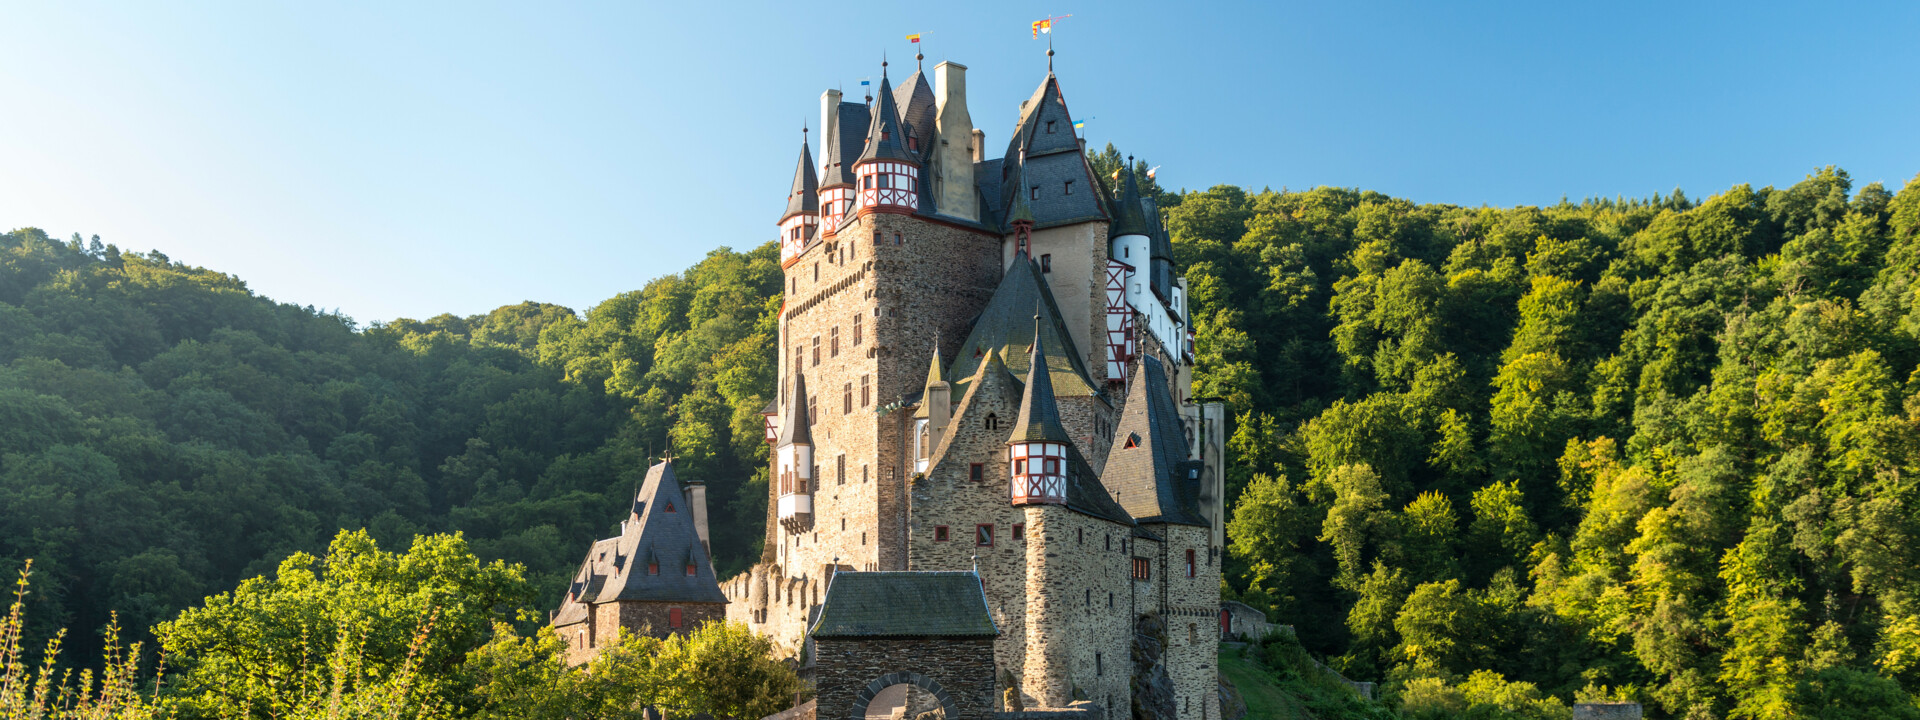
(653, 568)
(1069, 187)
(913, 143)
(1133, 441)
(993, 421)
(1035, 193)
(669, 506)
(1049, 127)
(690, 570)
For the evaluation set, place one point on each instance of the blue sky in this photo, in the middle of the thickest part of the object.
(408, 159)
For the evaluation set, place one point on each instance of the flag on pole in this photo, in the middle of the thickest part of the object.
(864, 81)
(1150, 172)
(1046, 26)
(914, 37)
(1116, 175)
(1079, 125)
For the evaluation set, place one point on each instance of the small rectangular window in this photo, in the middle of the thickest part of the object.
(674, 618)
(1050, 127)
(1019, 531)
(840, 473)
(846, 399)
(977, 472)
(1034, 196)
(1069, 188)
(939, 533)
(1189, 563)
(833, 341)
(1142, 569)
(983, 535)
(866, 392)
(816, 351)
(691, 570)
(1046, 263)
(856, 329)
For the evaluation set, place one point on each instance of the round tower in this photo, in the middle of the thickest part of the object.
(802, 217)
(793, 455)
(1037, 450)
(888, 171)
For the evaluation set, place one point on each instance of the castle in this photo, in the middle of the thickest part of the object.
(985, 368)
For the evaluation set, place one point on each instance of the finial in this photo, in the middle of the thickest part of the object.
(1049, 53)
(917, 64)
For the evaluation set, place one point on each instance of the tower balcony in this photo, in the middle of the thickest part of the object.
(1039, 474)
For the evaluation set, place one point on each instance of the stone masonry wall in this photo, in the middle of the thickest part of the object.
(611, 620)
(1191, 608)
(1078, 614)
(962, 667)
(1078, 279)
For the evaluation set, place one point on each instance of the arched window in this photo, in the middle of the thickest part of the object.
(993, 421)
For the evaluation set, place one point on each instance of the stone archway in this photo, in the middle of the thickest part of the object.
(866, 695)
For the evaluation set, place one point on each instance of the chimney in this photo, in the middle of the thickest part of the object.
(953, 180)
(829, 126)
(979, 145)
(697, 499)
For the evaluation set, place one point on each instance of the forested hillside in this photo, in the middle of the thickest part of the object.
(165, 433)
(1661, 449)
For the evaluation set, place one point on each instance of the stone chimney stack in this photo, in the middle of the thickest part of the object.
(697, 497)
(979, 145)
(953, 157)
(829, 125)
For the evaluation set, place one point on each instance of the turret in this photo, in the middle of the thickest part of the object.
(888, 171)
(793, 454)
(936, 409)
(1038, 445)
(802, 217)
(841, 126)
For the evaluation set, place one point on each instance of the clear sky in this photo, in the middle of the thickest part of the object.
(407, 159)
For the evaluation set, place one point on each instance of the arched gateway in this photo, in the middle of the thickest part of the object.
(929, 631)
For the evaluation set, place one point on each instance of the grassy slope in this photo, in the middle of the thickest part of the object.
(1265, 699)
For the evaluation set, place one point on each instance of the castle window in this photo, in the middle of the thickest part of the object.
(1035, 194)
(939, 533)
(816, 272)
(1046, 263)
(1109, 601)
(897, 240)
(840, 472)
(913, 143)
(1133, 441)
(793, 286)
(669, 506)
(1142, 569)
(993, 421)
(863, 539)
(1019, 531)
(1193, 633)
(674, 619)
(813, 408)
(1050, 127)
(863, 474)
(1069, 187)
(653, 568)
(1099, 666)
(833, 341)
(856, 330)
(1080, 535)
(816, 351)
(691, 570)
(866, 392)
(1109, 542)
(1089, 601)
(843, 524)
(846, 398)
(1189, 563)
(976, 472)
(983, 535)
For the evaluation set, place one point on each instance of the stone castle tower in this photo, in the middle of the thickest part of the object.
(1051, 441)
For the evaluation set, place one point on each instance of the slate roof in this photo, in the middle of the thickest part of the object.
(1006, 325)
(1039, 417)
(884, 140)
(990, 379)
(1051, 159)
(905, 604)
(839, 150)
(795, 427)
(917, 106)
(659, 529)
(804, 197)
(1129, 214)
(1155, 480)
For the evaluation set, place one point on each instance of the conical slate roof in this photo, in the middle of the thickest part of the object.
(1019, 210)
(1149, 467)
(917, 105)
(659, 535)
(839, 150)
(795, 426)
(804, 197)
(1129, 215)
(1039, 419)
(884, 139)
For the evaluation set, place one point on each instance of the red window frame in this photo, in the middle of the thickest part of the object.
(674, 618)
(977, 472)
(1019, 531)
(940, 533)
(1189, 563)
(653, 568)
(1142, 569)
(692, 570)
(983, 535)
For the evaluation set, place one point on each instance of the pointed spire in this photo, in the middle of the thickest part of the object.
(804, 197)
(795, 426)
(934, 375)
(1039, 415)
(1129, 218)
(884, 139)
(1019, 211)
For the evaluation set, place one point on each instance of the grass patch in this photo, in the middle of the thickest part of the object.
(1265, 699)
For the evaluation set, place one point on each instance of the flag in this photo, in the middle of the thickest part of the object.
(1150, 172)
(914, 37)
(1116, 175)
(1042, 26)
(863, 81)
(1079, 125)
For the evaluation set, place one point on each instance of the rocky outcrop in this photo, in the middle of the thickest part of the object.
(1152, 688)
(1232, 706)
